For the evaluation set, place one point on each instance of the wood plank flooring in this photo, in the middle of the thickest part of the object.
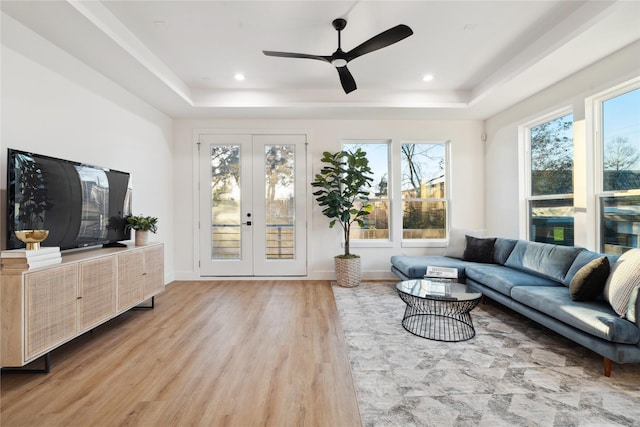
(243, 353)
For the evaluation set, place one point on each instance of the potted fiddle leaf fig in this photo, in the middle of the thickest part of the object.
(142, 226)
(341, 191)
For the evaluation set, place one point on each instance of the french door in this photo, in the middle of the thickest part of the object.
(252, 205)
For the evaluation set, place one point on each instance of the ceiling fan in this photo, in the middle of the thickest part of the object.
(339, 58)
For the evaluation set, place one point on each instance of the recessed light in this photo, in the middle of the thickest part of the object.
(427, 77)
(239, 77)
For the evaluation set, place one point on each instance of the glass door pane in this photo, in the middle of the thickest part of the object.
(280, 178)
(225, 198)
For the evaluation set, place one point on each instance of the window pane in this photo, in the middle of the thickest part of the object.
(279, 166)
(225, 202)
(376, 224)
(552, 221)
(423, 171)
(423, 180)
(552, 157)
(621, 223)
(621, 142)
(424, 220)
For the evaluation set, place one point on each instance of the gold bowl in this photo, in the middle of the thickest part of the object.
(32, 238)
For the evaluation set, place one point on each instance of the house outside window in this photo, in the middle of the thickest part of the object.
(617, 124)
(550, 207)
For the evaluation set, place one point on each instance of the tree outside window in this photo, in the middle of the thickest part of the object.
(550, 202)
(620, 144)
(424, 191)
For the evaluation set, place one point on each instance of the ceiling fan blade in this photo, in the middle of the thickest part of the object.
(296, 55)
(347, 80)
(384, 39)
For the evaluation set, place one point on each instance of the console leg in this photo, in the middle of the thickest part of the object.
(607, 367)
(146, 307)
(45, 370)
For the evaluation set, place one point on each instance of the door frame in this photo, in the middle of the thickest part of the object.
(195, 156)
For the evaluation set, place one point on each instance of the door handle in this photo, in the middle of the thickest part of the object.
(247, 223)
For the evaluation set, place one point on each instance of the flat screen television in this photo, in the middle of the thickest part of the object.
(81, 205)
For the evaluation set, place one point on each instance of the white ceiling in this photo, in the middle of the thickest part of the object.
(181, 56)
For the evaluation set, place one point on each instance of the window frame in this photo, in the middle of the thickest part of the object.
(376, 243)
(526, 180)
(596, 104)
(426, 243)
(394, 190)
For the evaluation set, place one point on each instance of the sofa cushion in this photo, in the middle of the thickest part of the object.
(594, 317)
(589, 281)
(415, 267)
(502, 249)
(624, 277)
(457, 241)
(479, 250)
(546, 259)
(502, 279)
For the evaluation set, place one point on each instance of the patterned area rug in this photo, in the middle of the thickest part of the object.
(512, 373)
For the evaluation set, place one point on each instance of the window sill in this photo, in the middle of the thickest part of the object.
(424, 244)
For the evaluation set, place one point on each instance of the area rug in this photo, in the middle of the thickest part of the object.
(512, 373)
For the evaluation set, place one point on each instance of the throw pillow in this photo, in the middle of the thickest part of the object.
(457, 241)
(589, 281)
(624, 277)
(479, 250)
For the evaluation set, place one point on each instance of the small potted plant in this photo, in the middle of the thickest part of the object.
(341, 191)
(142, 226)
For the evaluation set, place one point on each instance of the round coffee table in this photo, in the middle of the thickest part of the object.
(438, 310)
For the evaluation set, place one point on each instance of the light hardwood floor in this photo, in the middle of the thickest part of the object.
(243, 353)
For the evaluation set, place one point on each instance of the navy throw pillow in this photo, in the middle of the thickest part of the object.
(479, 250)
(589, 281)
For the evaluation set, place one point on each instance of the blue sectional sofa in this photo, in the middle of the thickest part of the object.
(538, 280)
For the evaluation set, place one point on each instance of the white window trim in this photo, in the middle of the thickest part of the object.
(593, 109)
(524, 157)
(427, 243)
(376, 243)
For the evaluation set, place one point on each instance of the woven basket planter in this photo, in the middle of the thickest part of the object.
(348, 273)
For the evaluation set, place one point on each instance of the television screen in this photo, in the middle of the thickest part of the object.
(81, 205)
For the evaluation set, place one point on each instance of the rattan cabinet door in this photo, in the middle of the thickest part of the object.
(154, 270)
(130, 278)
(96, 291)
(50, 308)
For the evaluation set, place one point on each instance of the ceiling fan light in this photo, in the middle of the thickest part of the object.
(339, 62)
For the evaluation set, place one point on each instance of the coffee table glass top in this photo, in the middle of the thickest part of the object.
(438, 289)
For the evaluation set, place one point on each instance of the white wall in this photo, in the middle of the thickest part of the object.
(503, 204)
(55, 105)
(467, 205)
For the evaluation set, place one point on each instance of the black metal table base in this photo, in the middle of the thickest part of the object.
(440, 320)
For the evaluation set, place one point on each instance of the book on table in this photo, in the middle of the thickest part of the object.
(22, 259)
(42, 253)
(442, 273)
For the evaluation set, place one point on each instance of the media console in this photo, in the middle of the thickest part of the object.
(42, 309)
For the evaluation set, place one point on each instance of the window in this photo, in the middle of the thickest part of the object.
(424, 191)
(618, 128)
(550, 200)
(377, 222)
